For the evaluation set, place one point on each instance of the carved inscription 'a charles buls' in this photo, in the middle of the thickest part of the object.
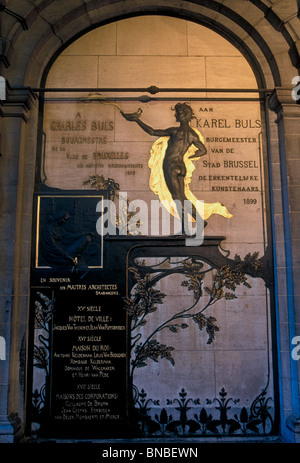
(102, 143)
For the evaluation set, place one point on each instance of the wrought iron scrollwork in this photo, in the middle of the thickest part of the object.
(209, 278)
(145, 299)
(44, 309)
(192, 419)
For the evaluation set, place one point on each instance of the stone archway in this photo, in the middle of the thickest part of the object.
(124, 55)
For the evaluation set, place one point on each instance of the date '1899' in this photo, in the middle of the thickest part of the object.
(250, 201)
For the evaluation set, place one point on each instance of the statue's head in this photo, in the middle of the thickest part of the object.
(183, 111)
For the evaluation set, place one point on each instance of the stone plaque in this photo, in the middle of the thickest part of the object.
(87, 139)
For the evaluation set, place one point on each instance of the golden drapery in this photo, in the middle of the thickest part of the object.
(159, 187)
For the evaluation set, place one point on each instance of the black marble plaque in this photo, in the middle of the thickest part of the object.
(78, 320)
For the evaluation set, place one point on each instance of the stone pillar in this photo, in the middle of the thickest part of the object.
(288, 122)
(4, 62)
(14, 111)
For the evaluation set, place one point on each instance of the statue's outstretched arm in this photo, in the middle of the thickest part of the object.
(136, 118)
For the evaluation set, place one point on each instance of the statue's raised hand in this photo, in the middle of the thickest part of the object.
(132, 116)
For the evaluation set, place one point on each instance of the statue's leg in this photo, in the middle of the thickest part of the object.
(175, 184)
(177, 190)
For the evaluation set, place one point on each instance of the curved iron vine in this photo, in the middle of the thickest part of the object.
(144, 300)
(44, 309)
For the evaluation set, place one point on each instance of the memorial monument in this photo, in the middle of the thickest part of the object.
(137, 326)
